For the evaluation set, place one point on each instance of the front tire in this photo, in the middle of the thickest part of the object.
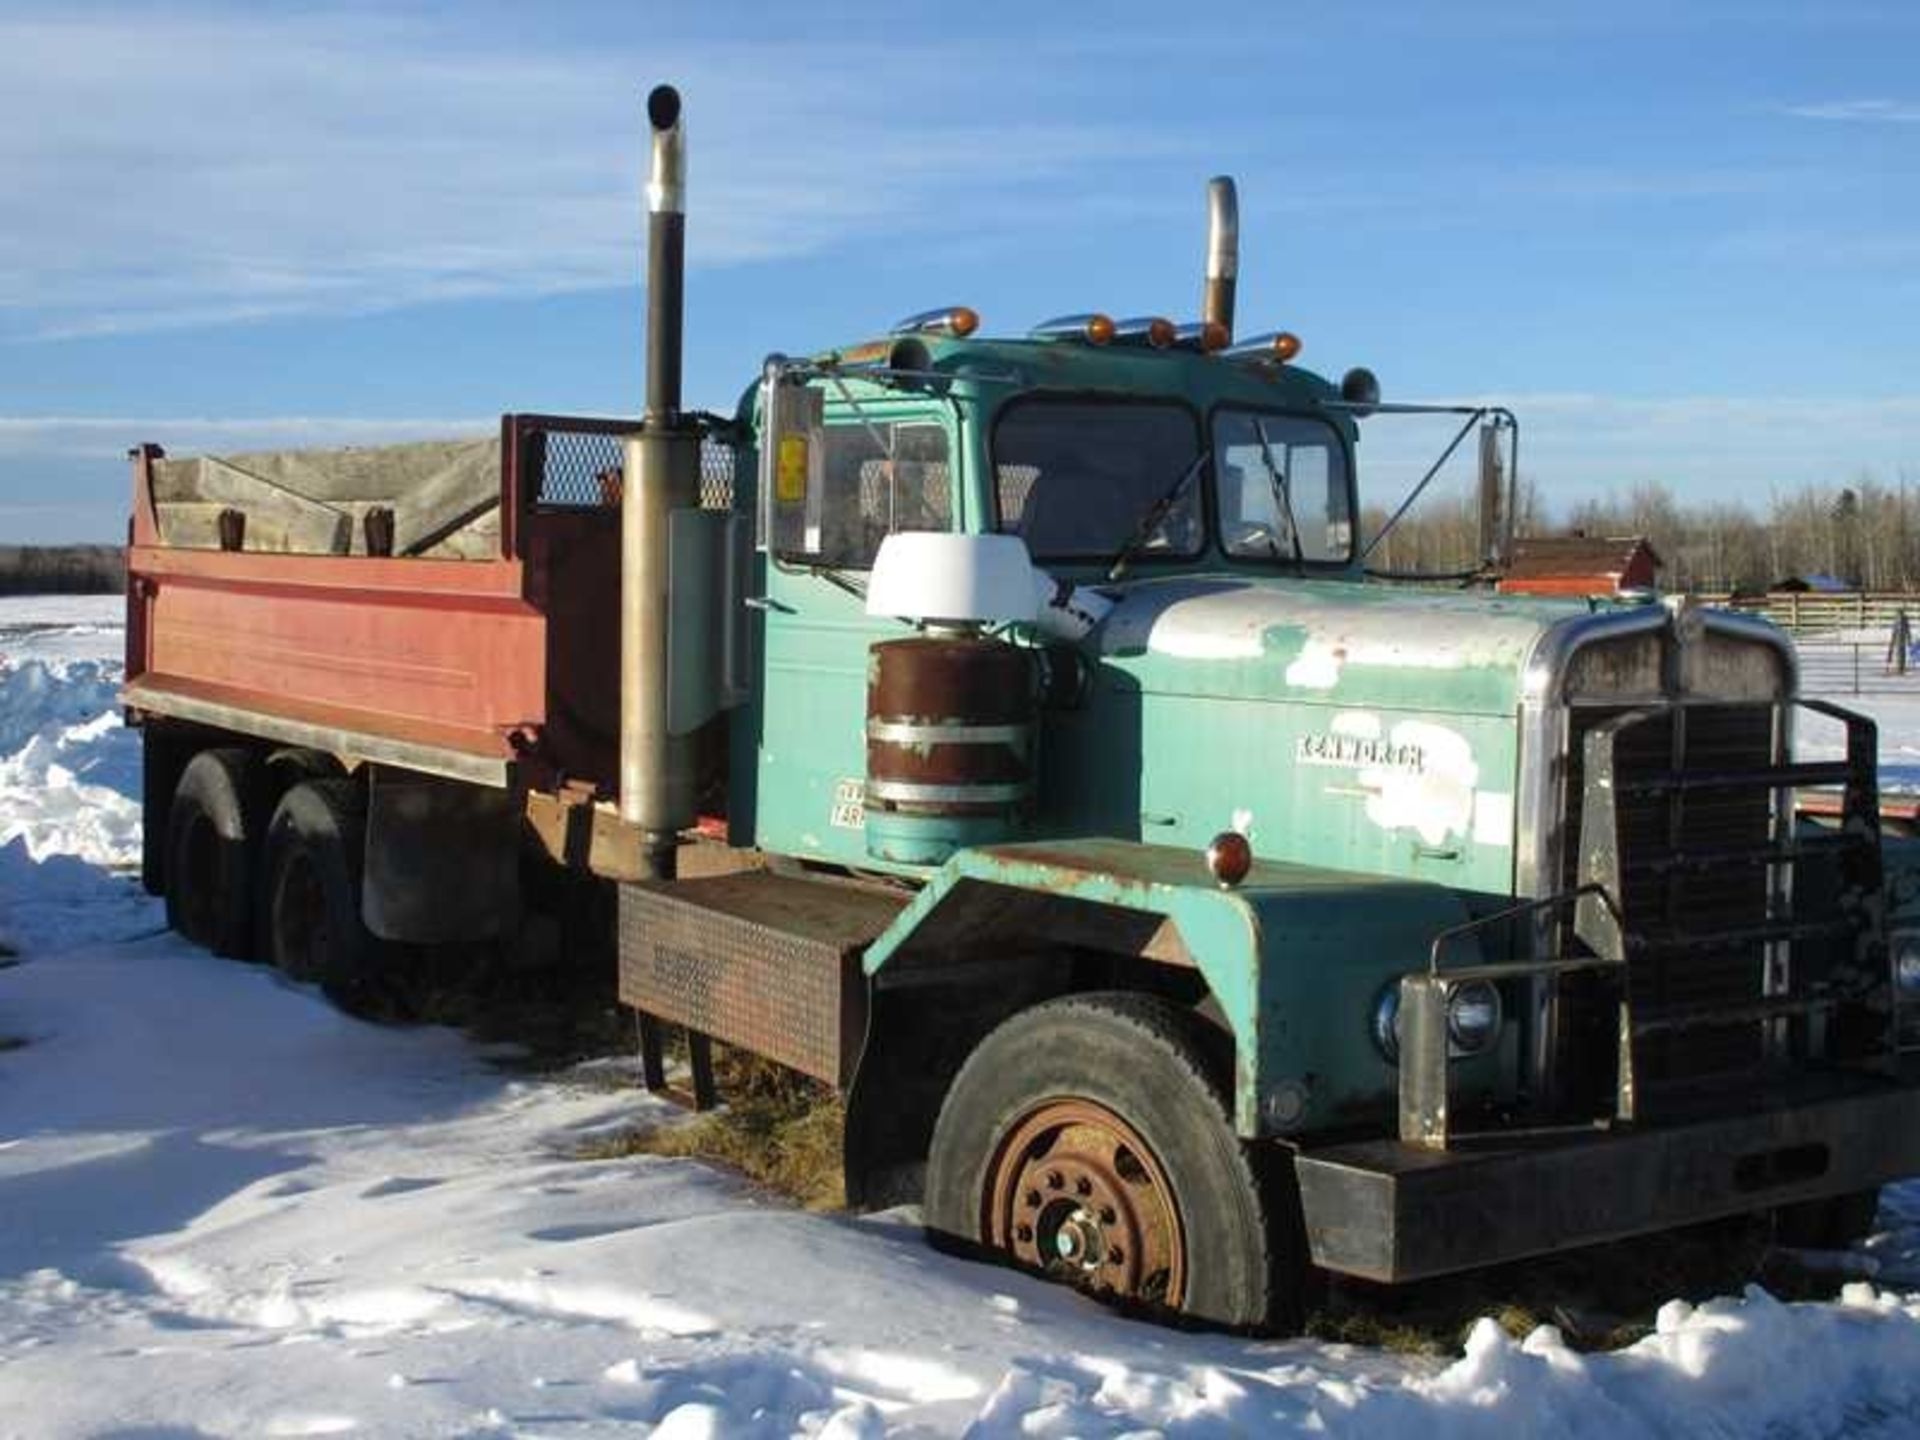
(1089, 1139)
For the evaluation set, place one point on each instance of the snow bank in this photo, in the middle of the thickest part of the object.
(61, 900)
(69, 770)
(1731, 1368)
(69, 789)
(61, 627)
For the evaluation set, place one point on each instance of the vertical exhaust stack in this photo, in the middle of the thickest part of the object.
(666, 254)
(1223, 252)
(662, 473)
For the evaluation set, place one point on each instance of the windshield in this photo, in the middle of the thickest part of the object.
(1075, 478)
(1283, 488)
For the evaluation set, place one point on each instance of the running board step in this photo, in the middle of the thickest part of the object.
(766, 962)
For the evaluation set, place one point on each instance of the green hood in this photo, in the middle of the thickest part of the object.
(1331, 643)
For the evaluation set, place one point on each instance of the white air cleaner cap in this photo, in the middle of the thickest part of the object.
(964, 579)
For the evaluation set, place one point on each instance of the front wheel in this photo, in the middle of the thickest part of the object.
(1089, 1139)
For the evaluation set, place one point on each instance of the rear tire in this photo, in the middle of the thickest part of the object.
(212, 844)
(1087, 1134)
(311, 929)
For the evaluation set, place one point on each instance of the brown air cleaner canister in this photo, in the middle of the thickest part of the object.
(950, 740)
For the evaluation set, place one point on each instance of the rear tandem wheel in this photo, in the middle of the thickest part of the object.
(311, 925)
(212, 844)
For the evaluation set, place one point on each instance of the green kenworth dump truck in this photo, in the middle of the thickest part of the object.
(1007, 732)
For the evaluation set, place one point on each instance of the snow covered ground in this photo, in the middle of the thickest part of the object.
(227, 1210)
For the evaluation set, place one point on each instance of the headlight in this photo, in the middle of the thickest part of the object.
(1386, 1023)
(1906, 963)
(1473, 1015)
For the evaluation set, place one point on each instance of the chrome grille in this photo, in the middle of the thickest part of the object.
(1667, 905)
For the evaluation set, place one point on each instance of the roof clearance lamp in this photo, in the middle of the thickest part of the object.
(959, 321)
(1091, 328)
(1276, 347)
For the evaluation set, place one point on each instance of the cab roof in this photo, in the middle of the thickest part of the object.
(1000, 368)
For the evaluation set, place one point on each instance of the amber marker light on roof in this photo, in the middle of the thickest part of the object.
(1206, 336)
(1276, 347)
(1092, 328)
(1153, 330)
(958, 321)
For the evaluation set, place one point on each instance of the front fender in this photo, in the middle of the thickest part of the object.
(1296, 957)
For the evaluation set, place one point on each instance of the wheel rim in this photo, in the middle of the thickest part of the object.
(299, 919)
(200, 861)
(1074, 1191)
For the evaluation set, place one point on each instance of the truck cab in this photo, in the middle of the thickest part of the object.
(1521, 906)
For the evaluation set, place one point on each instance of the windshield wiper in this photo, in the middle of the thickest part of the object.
(839, 579)
(1151, 520)
(1282, 495)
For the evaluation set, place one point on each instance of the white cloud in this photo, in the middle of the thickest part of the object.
(1895, 112)
(168, 169)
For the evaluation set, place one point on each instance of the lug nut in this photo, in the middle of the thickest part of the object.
(1023, 1233)
(1033, 1199)
(1083, 1186)
(1115, 1255)
(1055, 1180)
(1107, 1215)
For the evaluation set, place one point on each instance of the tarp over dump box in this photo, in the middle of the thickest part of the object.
(443, 496)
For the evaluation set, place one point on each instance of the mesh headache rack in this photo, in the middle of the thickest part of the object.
(574, 461)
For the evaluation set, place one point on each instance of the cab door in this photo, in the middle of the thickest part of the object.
(886, 467)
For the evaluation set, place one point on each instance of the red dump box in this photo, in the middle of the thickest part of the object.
(449, 607)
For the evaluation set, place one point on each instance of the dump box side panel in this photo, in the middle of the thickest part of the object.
(486, 641)
(433, 654)
(440, 664)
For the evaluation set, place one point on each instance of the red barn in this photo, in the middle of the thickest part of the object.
(1581, 565)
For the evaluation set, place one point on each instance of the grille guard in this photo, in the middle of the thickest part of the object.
(1846, 1018)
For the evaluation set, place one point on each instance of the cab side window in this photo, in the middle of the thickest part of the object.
(876, 480)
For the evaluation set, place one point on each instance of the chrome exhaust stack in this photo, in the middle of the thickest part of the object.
(1223, 252)
(661, 474)
(666, 254)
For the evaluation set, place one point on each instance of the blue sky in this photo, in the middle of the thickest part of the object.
(1681, 240)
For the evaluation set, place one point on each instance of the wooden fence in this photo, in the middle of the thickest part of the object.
(1815, 613)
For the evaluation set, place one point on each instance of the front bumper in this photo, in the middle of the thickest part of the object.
(1389, 1211)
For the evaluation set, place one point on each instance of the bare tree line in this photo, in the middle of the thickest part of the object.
(1865, 534)
(62, 569)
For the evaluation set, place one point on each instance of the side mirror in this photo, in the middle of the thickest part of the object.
(1360, 388)
(792, 453)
